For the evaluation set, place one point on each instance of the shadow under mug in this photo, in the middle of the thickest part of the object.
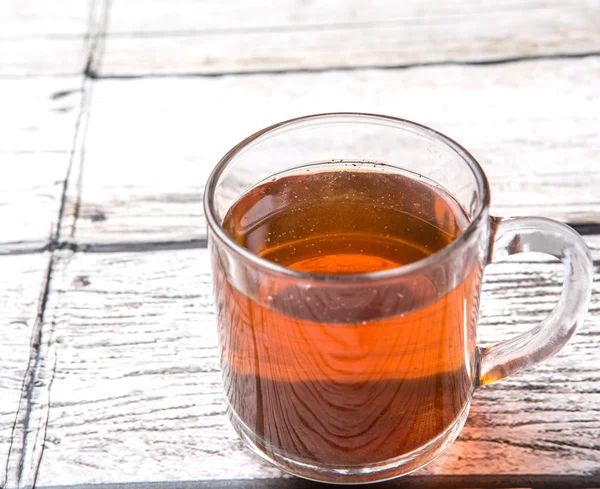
(366, 402)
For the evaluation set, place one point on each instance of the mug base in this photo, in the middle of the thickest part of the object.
(335, 474)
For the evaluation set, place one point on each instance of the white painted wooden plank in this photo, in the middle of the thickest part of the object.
(115, 379)
(152, 143)
(37, 133)
(31, 192)
(26, 57)
(21, 283)
(164, 16)
(137, 396)
(45, 38)
(37, 38)
(38, 114)
(26, 445)
(35, 151)
(23, 19)
(216, 37)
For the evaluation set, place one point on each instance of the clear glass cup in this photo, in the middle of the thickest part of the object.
(274, 413)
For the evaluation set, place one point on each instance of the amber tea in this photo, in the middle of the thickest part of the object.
(351, 377)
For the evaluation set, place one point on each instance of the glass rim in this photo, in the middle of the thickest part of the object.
(396, 272)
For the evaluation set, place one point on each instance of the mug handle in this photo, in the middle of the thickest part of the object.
(520, 235)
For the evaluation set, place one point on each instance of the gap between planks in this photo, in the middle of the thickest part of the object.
(409, 482)
(197, 244)
(91, 73)
(26, 450)
(585, 229)
(36, 384)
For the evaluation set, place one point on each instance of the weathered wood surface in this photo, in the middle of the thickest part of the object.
(216, 37)
(27, 19)
(37, 38)
(190, 16)
(117, 358)
(22, 282)
(29, 57)
(36, 148)
(136, 394)
(151, 143)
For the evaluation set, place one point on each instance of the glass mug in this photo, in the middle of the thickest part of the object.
(383, 391)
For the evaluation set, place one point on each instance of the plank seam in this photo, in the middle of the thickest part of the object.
(412, 481)
(20, 430)
(144, 246)
(91, 71)
(97, 34)
(404, 66)
(77, 149)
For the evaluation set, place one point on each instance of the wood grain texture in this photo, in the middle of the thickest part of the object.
(21, 283)
(35, 152)
(37, 38)
(151, 143)
(164, 17)
(40, 57)
(27, 19)
(217, 37)
(137, 395)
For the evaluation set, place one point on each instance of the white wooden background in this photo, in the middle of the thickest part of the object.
(112, 114)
